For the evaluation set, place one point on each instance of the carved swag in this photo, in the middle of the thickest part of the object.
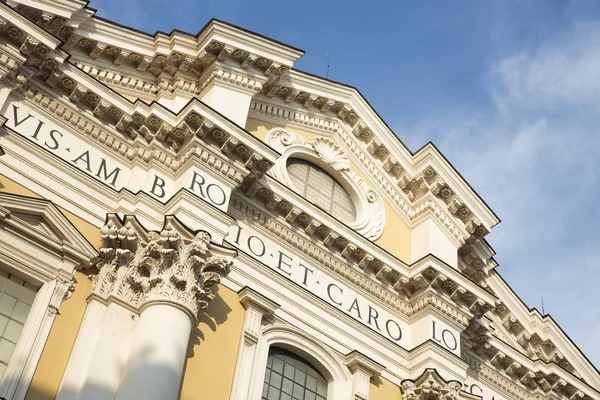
(139, 266)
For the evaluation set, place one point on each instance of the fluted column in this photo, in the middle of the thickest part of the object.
(177, 273)
(257, 307)
(362, 369)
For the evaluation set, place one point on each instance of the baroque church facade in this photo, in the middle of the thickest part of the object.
(189, 217)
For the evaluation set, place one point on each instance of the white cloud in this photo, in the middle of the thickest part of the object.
(534, 156)
(553, 76)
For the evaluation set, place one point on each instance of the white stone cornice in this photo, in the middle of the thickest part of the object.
(539, 336)
(533, 374)
(393, 282)
(155, 123)
(63, 8)
(412, 193)
(27, 27)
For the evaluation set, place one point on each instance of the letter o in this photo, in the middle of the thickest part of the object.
(263, 250)
(387, 328)
(210, 197)
(453, 339)
(476, 386)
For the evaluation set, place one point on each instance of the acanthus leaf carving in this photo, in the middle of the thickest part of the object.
(139, 267)
(431, 386)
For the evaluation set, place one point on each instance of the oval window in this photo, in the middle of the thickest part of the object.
(316, 185)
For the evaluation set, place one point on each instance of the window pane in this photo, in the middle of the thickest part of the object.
(322, 189)
(16, 298)
(300, 380)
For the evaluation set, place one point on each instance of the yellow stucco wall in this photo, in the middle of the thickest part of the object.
(55, 355)
(396, 235)
(53, 362)
(382, 389)
(213, 349)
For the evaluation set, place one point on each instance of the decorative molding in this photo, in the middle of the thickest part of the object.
(370, 218)
(201, 134)
(422, 193)
(257, 307)
(140, 267)
(431, 386)
(63, 290)
(362, 369)
(534, 375)
(405, 290)
(276, 113)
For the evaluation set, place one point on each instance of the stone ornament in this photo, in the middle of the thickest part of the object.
(431, 386)
(139, 267)
(324, 152)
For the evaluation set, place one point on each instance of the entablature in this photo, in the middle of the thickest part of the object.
(363, 263)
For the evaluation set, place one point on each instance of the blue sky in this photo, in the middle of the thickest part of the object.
(508, 90)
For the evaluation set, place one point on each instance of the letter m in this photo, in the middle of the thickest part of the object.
(102, 171)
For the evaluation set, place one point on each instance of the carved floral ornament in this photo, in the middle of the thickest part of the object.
(325, 153)
(431, 386)
(139, 267)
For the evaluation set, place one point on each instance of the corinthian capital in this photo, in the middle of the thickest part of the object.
(172, 265)
(180, 269)
(431, 386)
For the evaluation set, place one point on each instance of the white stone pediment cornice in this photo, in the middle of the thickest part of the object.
(310, 91)
(152, 131)
(536, 335)
(533, 375)
(42, 224)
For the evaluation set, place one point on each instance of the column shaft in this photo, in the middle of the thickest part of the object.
(159, 344)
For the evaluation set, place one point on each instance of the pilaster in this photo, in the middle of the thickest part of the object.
(362, 369)
(257, 308)
(429, 237)
(230, 94)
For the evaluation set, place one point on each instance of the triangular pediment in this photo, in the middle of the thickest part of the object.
(41, 222)
(38, 223)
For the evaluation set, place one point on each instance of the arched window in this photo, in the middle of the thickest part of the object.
(322, 189)
(289, 377)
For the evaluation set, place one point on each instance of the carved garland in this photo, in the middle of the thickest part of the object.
(370, 219)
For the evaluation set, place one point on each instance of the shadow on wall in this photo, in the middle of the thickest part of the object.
(214, 316)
